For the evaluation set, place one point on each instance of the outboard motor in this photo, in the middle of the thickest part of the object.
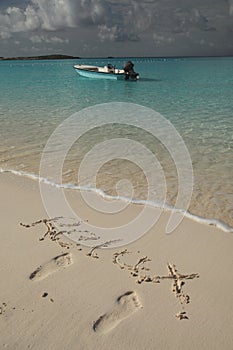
(129, 71)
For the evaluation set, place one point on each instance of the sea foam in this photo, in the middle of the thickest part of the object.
(156, 204)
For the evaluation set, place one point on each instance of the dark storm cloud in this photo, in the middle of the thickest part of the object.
(127, 22)
(160, 25)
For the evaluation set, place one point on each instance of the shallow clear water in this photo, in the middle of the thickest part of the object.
(194, 94)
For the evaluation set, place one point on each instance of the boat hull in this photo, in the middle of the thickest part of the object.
(98, 75)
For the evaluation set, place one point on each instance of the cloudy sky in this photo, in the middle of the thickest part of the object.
(93, 28)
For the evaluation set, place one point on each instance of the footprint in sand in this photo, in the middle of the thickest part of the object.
(126, 305)
(53, 265)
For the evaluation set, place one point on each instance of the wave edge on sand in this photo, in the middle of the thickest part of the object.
(207, 221)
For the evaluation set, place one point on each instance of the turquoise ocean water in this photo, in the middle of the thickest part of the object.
(194, 94)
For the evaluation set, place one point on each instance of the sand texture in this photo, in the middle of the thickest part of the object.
(160, 292)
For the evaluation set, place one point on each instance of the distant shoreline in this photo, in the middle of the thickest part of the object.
(44, 57)
(65, 57)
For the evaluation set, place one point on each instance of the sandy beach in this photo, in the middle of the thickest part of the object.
(159, 292)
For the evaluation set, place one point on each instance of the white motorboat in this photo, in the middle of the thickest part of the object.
(106, 72)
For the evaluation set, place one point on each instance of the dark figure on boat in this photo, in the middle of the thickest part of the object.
(129, 71)
(111, 68)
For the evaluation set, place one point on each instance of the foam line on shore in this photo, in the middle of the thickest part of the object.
(211, 222)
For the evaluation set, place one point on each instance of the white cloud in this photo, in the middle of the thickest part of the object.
(15, 20)
(160, 38)
(38, 39)
(230, 7)
(55, 14)
(106, 33)
(32, 20)
(55, 40)
(103, 22)
(141, 17)
(4, 35)
(186, 19)
(97, 12)
(115, 20)
(39, 14)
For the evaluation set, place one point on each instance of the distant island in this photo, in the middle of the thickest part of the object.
(45, 57)
(68, 57)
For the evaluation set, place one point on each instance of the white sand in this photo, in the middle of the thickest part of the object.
(74, 301)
